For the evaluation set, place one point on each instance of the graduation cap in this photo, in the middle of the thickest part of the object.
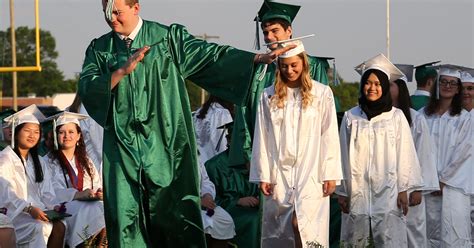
(224, 128)
(30, 114)
(425, 71)
(293, 52)
(467, 77)
(62, 118)
(407, 71)
(273, 10)
(381, 63)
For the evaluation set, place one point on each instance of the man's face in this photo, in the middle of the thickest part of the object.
(276, 32)
(124, 17)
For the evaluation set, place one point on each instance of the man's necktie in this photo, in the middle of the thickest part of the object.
(128, 42)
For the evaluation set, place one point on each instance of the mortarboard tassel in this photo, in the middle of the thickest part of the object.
(109, 9)
(55, 136)
(335, 78)
(257, 33)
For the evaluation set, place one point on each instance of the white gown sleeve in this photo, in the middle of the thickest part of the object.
(261, 163)
(424, 149)
(207, 187)
(9, 198)
(344, 139)
(330, 159)
(409, 173)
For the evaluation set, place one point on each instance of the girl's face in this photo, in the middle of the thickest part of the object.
(68, 136)
(468, 95)
(448, 86)
(372, 88)
(28, 136)
(291, 68)
(394, 91)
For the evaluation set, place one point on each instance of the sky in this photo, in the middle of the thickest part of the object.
(352, 31)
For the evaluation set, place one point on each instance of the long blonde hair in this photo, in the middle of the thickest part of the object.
(281, 89)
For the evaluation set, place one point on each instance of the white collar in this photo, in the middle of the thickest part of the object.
(421, 93)
(135, 31)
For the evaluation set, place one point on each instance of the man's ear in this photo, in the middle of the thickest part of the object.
(136, 8)
(290, 31)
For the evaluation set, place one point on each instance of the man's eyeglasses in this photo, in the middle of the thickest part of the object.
(445, 83)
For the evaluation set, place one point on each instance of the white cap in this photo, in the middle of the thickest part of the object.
(66, 117)
(381, 63)
(62, 118)
(30, 114)
(293, 52)
(450, 71)
(466, 77)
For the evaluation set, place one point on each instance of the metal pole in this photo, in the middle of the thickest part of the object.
(13, 43)
(388, 29)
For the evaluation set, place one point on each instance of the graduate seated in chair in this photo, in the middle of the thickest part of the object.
(218, 224)
(236, 195)
(76, 182)
(26, 189)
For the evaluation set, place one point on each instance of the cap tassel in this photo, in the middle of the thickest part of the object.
(55, 136)
(437, 84)
(257, 33)
(335, 78)
(109, 9)
(14, 123)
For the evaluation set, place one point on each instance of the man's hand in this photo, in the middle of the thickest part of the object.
(415, 198)
(207, 201)
(267, 58)
(38, 214)
(266, 188)
(129, 66)
(248, 202)
(343, 203)
(329, 187)
(402, 202)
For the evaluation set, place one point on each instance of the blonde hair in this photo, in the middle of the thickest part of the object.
(281, 89)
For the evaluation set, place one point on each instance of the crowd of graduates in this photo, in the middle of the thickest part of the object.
(270, 163)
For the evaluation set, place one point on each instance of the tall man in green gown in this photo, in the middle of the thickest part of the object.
(276, 23)
(425, 76)
(133, 84)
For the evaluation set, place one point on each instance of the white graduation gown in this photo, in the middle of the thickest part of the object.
(451, 143)
(210, 140)
(416, 217)
(87, 216)
(379, 161)
(220, 225)
(5, 222)
(297, 150)
(93, 135)
(18, 190)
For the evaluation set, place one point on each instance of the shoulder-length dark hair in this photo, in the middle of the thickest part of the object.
(212, 99)
(39, 175)
(404, 101)
(456, 103)
(80, 152)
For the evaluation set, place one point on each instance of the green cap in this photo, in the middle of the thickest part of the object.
(5, 113)
(274, 10)
(424, 71)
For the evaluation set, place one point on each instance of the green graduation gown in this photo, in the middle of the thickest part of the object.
(419, 101)
(244, 119)
(150, 171)
(232, 183)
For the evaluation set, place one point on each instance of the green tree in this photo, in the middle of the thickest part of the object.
(348, 94)
(45, 83)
